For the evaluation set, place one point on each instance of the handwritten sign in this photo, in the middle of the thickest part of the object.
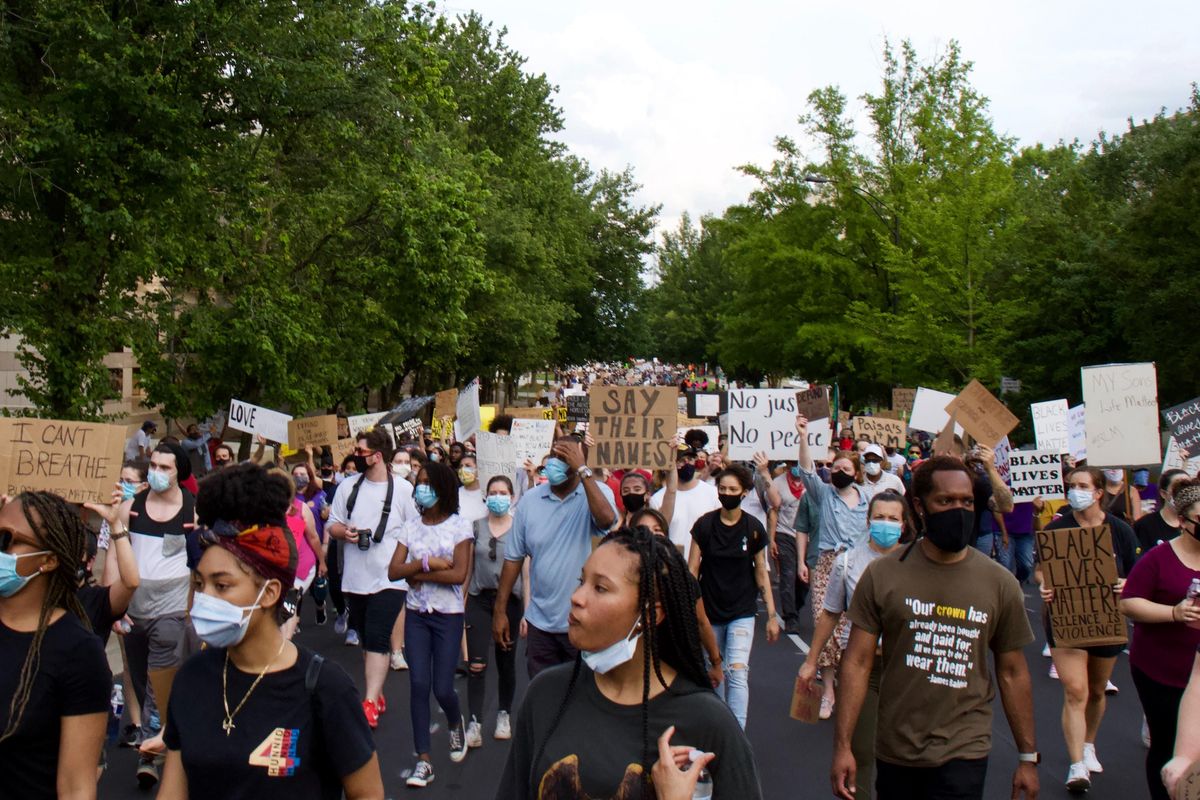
(984, 417)
(248, 418)
(902, 399)
(340, 449)
(445, 403)
(820, 437)
(813, 402)
(1052, 425)
(762, 420)
(1036, 473)
(1080, 566)
(1122, 414)
(470, 417)
(532, 440)
(79, 461)
(1077, 432)
(407, 431)
(880, 430)
(315, 431)
(1184, 422)
(577, 408)
(495, 454)
(706, 404)
(364, 422)
(929, 411)
(633, 426)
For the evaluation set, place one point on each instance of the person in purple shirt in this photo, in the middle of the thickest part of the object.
(1018, 524)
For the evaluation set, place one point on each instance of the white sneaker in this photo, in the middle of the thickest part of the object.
(1078, 778)
(1111, 688)
(397, 661)
(1054, 672)
(458, 743)
(1090, 760)
(474, 734)
(341, 623)
(503, 726)
(352, 638)
(422, 774)
(1046, 651)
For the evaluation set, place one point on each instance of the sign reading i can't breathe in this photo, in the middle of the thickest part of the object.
(633, 426)
(80, 461)
(1080, 566)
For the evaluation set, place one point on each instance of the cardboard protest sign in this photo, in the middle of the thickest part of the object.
(880, 430)
(762, 420)
(445, 403)
(1080, 566)
(1036, 473)
(495, 454)
(706, 404)
(944, 443)
(1077, 432)
(889, 413)
(633, 426)
(1184, 423)
(929, 411)
(985, 418)
(1051, 425)
(813, 403)
(364, 422)
(577, 408)
(902, 399)
(315, 431)
(340, 449)
(248, 418)
(532, 439)
(1122, 414)
(1188, 787)
(525, 413)
(469, 415)
(79, 461)
(806, 706)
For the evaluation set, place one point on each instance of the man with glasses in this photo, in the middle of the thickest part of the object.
(368, 516)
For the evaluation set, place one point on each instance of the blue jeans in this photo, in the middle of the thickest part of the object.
(734, 640)
(1022, 551)
(992, 546)
(431, 645)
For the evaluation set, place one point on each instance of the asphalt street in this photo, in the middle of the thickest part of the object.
(793, 758)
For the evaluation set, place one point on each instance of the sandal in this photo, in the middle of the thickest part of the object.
(826, 708)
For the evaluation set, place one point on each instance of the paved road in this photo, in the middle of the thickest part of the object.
(793, 758)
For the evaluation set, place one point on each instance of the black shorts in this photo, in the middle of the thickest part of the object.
(372, 616)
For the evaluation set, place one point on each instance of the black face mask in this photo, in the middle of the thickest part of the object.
(841, 480)
(950, 530)
(360, 463)
(687, 472)
(730, 501)
(633, 502)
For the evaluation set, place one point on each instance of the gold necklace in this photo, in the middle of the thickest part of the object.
(228, 725)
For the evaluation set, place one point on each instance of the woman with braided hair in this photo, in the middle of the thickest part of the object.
(588, 730)
(54, 677)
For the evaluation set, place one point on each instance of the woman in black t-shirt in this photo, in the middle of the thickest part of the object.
(53, 673)
(253, 715)
(1162, 525)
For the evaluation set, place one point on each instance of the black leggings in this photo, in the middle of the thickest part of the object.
(335, 576)
(479, 640)
(1161, 705)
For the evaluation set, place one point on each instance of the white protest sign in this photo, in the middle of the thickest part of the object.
(929, 411)
(1174, 459)
(1000, 458)
(495, 454)
(1051, 425)
(1077, 432)
(1036, 473)
(469, 420)
(711, 431)
(820, 437)
(1122, 414)
(363, 422)
(708, 405)
(532, 439)
(258, 420)
(762, 420)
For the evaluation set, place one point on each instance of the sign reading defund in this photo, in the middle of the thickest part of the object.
(633, 426)
(1080, 566)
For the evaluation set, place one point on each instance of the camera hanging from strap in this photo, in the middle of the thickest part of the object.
(387, 505)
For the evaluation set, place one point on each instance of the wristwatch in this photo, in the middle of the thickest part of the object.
(121, 534)
(585, 473)
(1032, 758)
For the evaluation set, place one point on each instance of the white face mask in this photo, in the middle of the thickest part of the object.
(872, 468)
(616, 654)
(219, 623)
(401, 470)
(1080, 499)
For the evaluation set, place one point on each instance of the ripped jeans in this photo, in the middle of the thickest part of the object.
(734, 640)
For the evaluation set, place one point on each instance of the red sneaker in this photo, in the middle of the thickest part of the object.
(372, 714)
(381, 704)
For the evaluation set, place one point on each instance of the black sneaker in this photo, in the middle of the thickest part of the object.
(422, 775)
(458, 743)
(147, 773)
(321, 615)
(131, 736)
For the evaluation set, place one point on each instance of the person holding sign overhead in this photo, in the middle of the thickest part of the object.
(1084, 671)
(1166, 630)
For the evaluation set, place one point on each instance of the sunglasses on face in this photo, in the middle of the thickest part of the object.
(364, 451)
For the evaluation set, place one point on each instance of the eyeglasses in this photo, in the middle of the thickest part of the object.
(364, 451)
(492, 548)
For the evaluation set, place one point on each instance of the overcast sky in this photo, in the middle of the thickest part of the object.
(684, 92)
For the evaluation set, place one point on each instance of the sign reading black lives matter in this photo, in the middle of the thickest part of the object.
(1080, 566)
(1184, 422)
(1036, 473)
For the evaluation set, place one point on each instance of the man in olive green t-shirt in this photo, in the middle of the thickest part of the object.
(939, 606)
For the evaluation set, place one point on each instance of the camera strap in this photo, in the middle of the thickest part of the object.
(387, 504)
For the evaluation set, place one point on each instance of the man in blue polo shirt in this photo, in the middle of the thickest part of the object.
(553, 527)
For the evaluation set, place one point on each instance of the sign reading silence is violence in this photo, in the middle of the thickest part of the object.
(1079, 564)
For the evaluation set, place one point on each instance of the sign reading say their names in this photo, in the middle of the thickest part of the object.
(1080, 566)
(1122, 414)
(880, 430)
(633, 426)
(1052, 425)
(80, 461)
(762, 420)
(1036, 473)
(984, 417)
(315, 431)
(272, 425)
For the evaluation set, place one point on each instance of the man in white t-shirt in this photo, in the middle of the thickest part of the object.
(877, 478)
(138, 447)
(693, 499)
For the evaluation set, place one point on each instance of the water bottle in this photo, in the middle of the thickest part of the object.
(1193, 594)
(117, 704)
(704, 786)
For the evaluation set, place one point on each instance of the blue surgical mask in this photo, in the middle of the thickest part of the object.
(1080, 499)
(10, 581)
(219, 623)
(159, 481)
(616, 654)
(557, 471)
(425, 496)
(128, 490)
(885, 532)
(499, 504)
(796, 472)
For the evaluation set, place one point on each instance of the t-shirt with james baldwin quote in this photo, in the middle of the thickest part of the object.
(937, 622)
